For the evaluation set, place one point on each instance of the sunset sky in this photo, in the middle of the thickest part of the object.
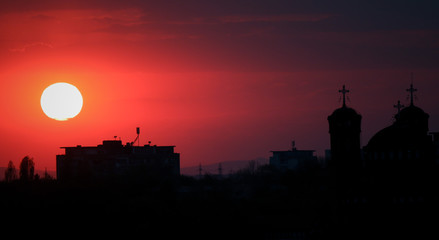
(220, 80)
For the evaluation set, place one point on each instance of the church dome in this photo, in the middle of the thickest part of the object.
(344, 112)
(412, 112)
(404, 143)
(410, 129)
(389, 137)
(344, 116)
(345, 120)
(412, 117)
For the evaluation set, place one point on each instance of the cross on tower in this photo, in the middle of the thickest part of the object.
(411, 90)
(398, 106)
(344, 91)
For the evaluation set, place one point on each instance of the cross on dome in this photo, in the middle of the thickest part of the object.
(398, 106)
(344, 91)
(411, 90)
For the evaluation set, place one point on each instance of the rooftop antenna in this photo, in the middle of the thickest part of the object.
(137, 138)
(293, 145)
(220, 170)
(199, 171)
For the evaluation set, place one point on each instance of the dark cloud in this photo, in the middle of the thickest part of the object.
(272, 35)
(350, 15)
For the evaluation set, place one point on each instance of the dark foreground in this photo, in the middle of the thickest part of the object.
(264, 204)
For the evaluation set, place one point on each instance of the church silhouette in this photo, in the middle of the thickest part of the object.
(388, 187)
(344, 130)
(404, 145)
(406, 142)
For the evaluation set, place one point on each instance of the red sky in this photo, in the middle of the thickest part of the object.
(219, 80)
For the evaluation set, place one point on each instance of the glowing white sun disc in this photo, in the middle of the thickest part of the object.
(61, 101)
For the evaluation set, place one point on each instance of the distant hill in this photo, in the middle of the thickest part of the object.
(226, 166)
(38, 171)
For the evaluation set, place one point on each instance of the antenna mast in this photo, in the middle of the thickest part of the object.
(137, 138)
(220, 170)
(199, 171)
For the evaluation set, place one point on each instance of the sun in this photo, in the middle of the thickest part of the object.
(61, 101)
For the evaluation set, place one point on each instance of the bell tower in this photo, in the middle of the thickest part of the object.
(344, 130)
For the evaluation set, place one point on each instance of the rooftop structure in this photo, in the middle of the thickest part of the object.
(292, 159)
(113, 159)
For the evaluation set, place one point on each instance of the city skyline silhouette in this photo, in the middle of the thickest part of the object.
(229, 81)
(260, 119)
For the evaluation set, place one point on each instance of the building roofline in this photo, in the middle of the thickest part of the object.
(80, 146)
(295, 151)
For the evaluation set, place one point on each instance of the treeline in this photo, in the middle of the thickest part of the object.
(256, 202)
(26, 171)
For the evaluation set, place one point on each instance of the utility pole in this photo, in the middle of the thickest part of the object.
(199, 171)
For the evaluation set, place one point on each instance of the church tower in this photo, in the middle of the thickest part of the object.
(344, 130)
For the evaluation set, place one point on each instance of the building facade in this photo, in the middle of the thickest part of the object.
(113, 159)
(293, 159)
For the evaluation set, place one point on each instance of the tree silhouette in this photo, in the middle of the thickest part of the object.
(27, 168)
(47, 175)
(10, 172)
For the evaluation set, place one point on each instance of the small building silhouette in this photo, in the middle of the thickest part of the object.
(293, 159)
(112, 159)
